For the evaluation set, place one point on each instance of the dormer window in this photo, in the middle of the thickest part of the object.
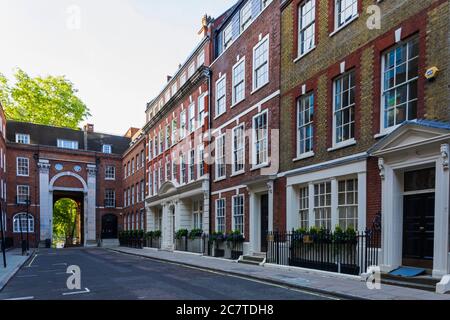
(22, 138)
(227, 36)
(107, 148)
(67, 144)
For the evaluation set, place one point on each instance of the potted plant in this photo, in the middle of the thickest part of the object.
(195, 234)
(182, 233)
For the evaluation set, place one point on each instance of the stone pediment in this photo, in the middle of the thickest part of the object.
(167, 188)
(410, 135)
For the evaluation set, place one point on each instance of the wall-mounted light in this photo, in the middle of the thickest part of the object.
(431, 73)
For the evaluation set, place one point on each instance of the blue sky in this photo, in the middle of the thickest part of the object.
(117, 52)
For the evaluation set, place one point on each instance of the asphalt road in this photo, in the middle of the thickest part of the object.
(107, 275)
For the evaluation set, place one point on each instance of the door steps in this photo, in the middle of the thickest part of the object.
(256, 260)
(110, 243)
(426, 283)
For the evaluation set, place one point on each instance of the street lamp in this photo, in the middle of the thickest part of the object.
(25, 243)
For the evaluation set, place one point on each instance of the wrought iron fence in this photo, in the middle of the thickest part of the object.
(327, 251)
(220, 247)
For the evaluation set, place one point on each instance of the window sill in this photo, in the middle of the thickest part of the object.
(235, 174)
(343, 145)
(304, 54)
(259, 88)
(219, 115)
(344, 25)
(386, 132)
(220, 179)
(304, 156)
(260, 166)
(237, 103)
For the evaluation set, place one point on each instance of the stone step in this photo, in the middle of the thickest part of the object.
(249, 262)
(253, 260)
(422, 283)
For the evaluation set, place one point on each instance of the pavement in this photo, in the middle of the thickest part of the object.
(112, 275)
(14, 260)
(342, 286)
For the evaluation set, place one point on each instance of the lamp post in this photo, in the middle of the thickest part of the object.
(28, 201)
(2, 229)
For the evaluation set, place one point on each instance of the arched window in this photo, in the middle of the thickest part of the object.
(20, 220)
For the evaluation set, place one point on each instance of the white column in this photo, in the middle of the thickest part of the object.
(291, 213)
(90, 230)
(46, 208)
(441, 233)
(270, 188)
(334, 204)
(253, 223)
(392, 219)
(206, 213)
(362, 201)
(167, 228)
(312, 216)
(150, 214)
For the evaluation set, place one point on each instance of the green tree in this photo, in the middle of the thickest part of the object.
(48, 101)
(65, 219)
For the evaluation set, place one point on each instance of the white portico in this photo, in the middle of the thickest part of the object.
(47, 188)
(414, 166)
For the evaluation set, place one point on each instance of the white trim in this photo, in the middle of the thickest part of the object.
(217, 177)
(304, 156)
(304, 54)
(236, 189)
(216, 114)
(233, 172)
(233, 101)
(341, 145)
(17, 166)
(253, 149)
(259, 44)
(233, 224)
(224, 214)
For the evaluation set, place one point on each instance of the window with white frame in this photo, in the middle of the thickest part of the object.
(23, 223)
(142, 158)
(174, 132)
(322, 205)
(201, 160)
(133, 226)
(304, 207)
(168, 166)
(238, 82)
(348, 204)
(150, 150)
(183, 79)
(110, 198)
(221, 96)
(246, 15)
(305, 123)
(197, 213)
(261, 64)
(23, 194)
(174, 167)
(168, 136)
(183, 177)
(107, 148)
(191, 70)
(183, 124)
(159, 220)
(238, 148)
(132, 166)
(400, 76)
(201, 59)
(265, 3)
(67, 144)
(125, 198)
(23, 167)
(345, 11)
(156, 146)
(307, 28)
(22, 138)
(260, 137)
(192, 165)
(220, 157)
(161, 174)
(344, 108)
(167, 96)
(138, 192)
(150, 183)
(161, 141)
(132, 196)
(142, 219)
(220, 216)
(174, 88)
(238, 213)
(110, 173)
(227, 36)
(142, 190)
(191, 122)
(201, 110)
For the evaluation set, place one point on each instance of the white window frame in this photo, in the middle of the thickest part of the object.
(245, 21)
(197, 214)
(191, 168)
(22, 138)
(224, 216)
(384, 129)
(304, 125)
(303, 48)
(201, 160)
(241, 149)
(168, 167)
(110, 195)
(256, 165)
(111, 173)
(228, 30)
(263, 41)
(221, 80)
(233, 204)
(220, 156)
(320, 209)
(304, 207)
(201, 110)
(183, 171)
(18, 167)
(183, 129)
(107, 148)
(337, 25)
(345, 217)
(192, 117)
(22, 217)
(234, 84)
(67, 144)
(22, 197)
(351, 140)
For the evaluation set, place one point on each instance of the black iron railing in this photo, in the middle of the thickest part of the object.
(335, 252)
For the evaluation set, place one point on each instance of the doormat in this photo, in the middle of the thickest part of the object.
(408, 272)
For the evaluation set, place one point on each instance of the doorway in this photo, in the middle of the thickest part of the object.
(264, 221)
(109, 226)
(68, 224)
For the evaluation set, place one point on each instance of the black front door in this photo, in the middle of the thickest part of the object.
(109, 226)
(264, 221)
(418, 230)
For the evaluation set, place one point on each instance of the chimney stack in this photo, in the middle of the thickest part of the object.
(89, 128)
(169, 78)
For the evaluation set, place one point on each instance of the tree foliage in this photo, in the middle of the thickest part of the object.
(65, 219)
(48, 101)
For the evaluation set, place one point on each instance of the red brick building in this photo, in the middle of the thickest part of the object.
(3, 171)
(134, 184)
(46, 164)
(245, 120)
